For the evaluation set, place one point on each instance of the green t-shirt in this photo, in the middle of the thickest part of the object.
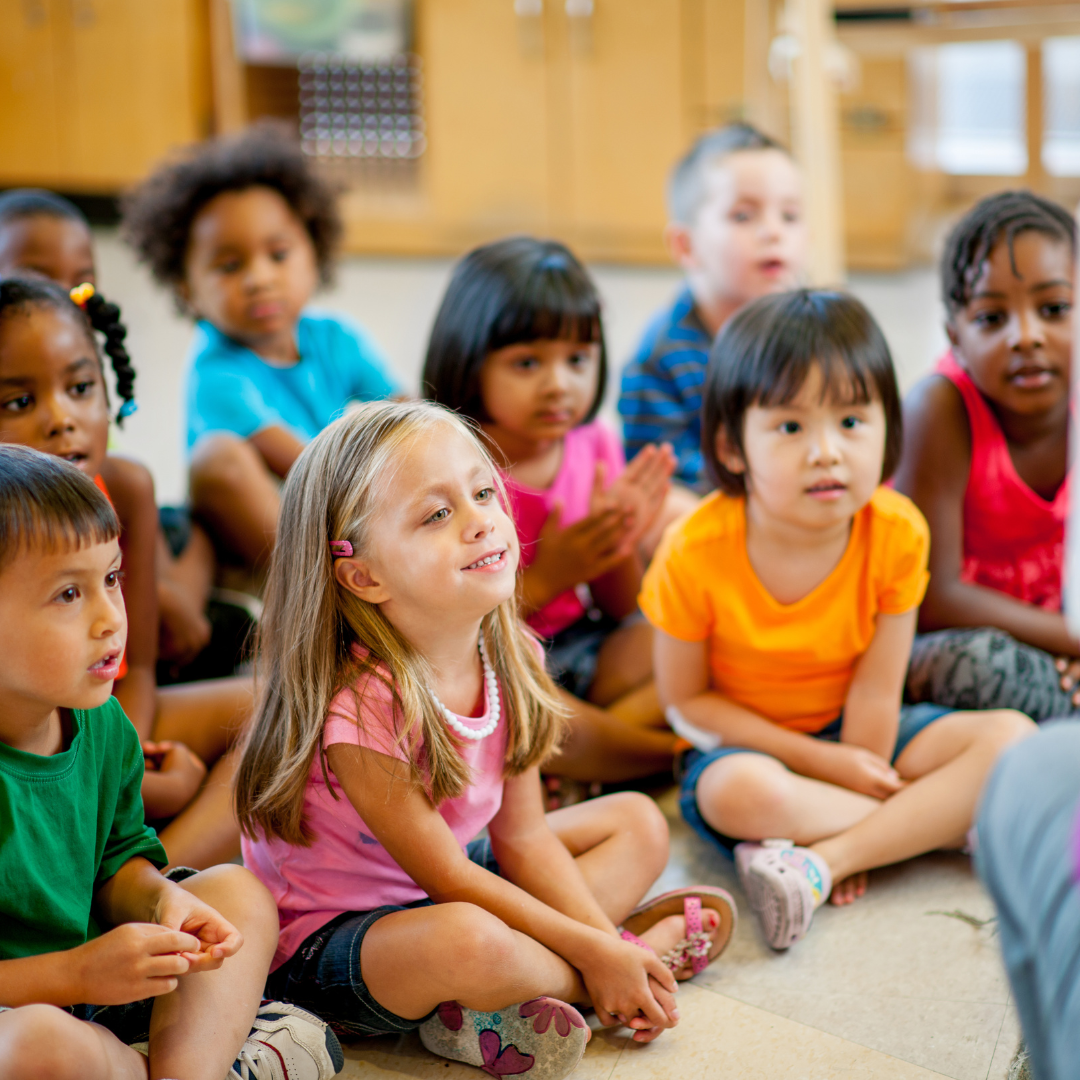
(67, 824)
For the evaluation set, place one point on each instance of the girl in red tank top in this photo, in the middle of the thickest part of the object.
(985, 459)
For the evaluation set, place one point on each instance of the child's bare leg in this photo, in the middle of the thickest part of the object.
(602, 747)
(39, 1041)
(623, 664)
(641, 708)
(197, 1030)
(237, 497)
(946, 765)
(620, 844)
(753, 797)
(206, 832)
(205, 716)
(459, 952)
(193, 569)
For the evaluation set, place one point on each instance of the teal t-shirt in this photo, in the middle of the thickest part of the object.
(67, 824)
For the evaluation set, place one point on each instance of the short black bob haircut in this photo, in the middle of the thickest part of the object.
(514, 290)
(1000, 217)
(765, 353)
(46, 503)
(19, 203)
(158, 214)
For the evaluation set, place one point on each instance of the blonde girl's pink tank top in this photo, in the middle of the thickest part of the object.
(1013, 537)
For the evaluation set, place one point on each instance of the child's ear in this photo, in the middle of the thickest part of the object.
(680, 245)
(356, 576)
(728, 455)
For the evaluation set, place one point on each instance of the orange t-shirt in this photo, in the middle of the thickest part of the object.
(790, 663)
(99, 482)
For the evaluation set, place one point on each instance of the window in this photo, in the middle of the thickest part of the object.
(1061, 97)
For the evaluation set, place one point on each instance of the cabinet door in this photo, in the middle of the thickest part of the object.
(617, 89)
(130, 95)
(486, 166)
(29, 96)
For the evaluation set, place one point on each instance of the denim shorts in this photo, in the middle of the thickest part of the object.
(913, 719)
(572, 653)
(323, 975)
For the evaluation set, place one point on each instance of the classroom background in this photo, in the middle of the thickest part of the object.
(449, 123)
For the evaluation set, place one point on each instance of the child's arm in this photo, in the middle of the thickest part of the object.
(872, 708)
(934, 473)
(163, 932)
(682, 680)
(278, 448)
(615, 974)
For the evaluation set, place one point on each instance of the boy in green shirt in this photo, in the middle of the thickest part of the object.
(85, 914)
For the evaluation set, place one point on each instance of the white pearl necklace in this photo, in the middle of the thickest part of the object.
(491, 687)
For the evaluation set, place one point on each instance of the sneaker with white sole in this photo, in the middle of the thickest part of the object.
(544, 1037)
(785, 884)
(288, 1043)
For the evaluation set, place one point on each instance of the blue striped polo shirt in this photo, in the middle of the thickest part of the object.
(660, 397)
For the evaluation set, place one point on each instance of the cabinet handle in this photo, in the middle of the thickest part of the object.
(83, 13)
(34, 12)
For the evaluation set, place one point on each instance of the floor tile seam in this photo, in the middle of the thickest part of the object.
(997, 1041)
(881, 997)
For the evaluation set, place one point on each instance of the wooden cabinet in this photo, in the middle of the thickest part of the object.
(94, 92)
(556, 118)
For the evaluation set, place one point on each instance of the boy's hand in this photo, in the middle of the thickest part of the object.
(629, 985)
(211, 938)
(641, 489)
(173, 775)
(857, 769)
(132, 962)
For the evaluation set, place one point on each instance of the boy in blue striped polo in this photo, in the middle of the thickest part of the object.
(736, 228)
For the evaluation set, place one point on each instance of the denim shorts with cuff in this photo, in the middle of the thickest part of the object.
(323, 975)
(913, 719)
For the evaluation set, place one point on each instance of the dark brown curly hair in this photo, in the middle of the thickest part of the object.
(159, 213)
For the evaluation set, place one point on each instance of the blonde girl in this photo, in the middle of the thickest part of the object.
(404, 709)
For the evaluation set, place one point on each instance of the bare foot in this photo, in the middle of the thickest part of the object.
(667, 933)
(849, 890)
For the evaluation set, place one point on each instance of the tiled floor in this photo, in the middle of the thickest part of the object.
(890, 988)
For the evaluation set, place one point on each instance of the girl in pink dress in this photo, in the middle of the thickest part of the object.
(985, 459)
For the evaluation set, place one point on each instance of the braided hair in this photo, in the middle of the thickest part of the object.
(92, 311)
(1001, 216)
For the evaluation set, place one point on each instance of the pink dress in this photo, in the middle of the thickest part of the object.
(583, 447)
(1013, 537)
(346, 868)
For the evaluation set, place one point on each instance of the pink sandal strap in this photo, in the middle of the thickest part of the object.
(635, 940)
(694, 948)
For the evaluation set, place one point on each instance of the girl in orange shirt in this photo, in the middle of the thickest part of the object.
(784, 610)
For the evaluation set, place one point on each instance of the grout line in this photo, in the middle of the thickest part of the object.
(997, 1041)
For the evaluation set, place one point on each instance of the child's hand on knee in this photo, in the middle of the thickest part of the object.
(858, 769)
(621, 982)
(132, 962)
(1068, 667)
(215, 937)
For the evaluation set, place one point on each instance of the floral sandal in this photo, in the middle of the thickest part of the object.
(699, 948)
(543, 1038)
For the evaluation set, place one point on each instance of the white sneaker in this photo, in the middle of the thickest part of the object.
(288, 1043)
(785, 884)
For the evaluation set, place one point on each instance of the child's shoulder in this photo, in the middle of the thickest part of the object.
(893, 513)
(362, 713)
(718, 520)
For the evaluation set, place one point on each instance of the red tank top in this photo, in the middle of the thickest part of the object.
(99, 481)
(1013, 537)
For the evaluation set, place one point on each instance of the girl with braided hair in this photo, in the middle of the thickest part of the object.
(53, 398)
(985, 459)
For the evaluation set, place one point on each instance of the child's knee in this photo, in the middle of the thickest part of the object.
(471, 939)
(220, 463)
(641, 815)
(238, 895)
(42, 1042)
(1003, 727)
(743, 784)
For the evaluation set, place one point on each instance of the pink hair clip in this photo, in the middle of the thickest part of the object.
(340, 549)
